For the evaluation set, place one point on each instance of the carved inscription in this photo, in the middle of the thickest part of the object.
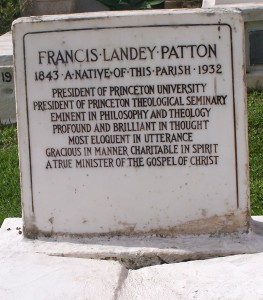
(153, 104)
(132, 123)
(6, 77)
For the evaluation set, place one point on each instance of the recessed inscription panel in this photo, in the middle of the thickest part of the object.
(131, 129)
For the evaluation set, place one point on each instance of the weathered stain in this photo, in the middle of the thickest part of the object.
(203, 212)
(229, 223)
(129, 228)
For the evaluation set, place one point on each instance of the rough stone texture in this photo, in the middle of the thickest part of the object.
(237, 277)
(135, 252)
(229, 223)
(33, 270)
(38, 276)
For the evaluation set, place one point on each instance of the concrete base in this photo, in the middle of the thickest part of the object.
(35, 269)
(134, 252)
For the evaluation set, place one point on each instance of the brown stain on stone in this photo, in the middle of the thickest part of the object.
(229, 223)
(128, 227)
(203, 212)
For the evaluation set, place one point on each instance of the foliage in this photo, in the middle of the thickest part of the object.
(255, 130)
(131, 4)
(9, 10)
(9, 173)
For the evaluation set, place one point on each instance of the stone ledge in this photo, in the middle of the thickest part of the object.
(33, 276)
(27, 274)
(7, 93)
(134, 252)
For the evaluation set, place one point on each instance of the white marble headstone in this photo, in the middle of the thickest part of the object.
(132, 123)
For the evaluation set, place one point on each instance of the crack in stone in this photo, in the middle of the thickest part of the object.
(162, 261)
(122, 278)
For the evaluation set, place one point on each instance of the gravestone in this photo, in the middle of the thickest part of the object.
(132, 123)
(252, 12)
(7, 94)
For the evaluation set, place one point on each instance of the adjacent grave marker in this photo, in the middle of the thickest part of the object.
(7, 95)
(132, 123)
(252, 12)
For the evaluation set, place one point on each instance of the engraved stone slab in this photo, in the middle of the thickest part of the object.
(132, 123)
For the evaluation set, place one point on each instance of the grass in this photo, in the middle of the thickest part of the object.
(255, 131)
(9, 173)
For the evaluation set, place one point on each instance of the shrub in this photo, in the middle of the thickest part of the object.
(9, 10)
